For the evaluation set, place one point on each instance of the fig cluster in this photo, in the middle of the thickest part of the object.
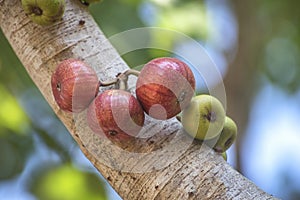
(115, 113)
(205, 119)
(165, 89)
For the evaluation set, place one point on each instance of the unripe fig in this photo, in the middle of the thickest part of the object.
(74, 85)
(87, 2)
(44, 12)
(227, 136)
(224, 155)
(165, 86)
(204, 118)
(117, 114)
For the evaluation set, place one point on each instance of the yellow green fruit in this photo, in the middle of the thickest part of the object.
(227, 136)
(224, 155)
(204, 118)
(89, 1)
(44, 12)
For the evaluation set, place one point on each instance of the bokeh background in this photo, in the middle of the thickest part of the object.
(256, 46)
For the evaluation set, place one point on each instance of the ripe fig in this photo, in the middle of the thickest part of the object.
(74, 85)
(117, 114)
(44, 12)
(204, 118)
(227, 136)
(165, 87)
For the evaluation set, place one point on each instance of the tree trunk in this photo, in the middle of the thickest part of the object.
(168, 165)
(240, 78)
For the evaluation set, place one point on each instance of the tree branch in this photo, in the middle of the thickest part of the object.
(168, 165)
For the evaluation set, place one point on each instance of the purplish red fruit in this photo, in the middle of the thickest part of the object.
(164, 87)
(74, 85)
(117, 114)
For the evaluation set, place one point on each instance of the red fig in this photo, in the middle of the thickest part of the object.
(74, 85)
(117, 114)
(165, 86)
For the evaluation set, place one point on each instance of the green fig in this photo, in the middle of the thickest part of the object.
(224, 155)
(44, 12)
(87, 2)
(204, 117)
(227, 136)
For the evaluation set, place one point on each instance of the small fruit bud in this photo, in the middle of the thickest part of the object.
(74, 85)
(204, 118)
(227, 136)
(165, 86)
(44, 12)
(117, 114)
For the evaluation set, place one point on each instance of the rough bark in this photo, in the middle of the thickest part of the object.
(168, 165)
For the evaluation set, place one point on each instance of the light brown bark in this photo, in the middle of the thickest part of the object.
(168, 165)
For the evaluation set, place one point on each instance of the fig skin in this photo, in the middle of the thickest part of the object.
(204, 118)
(44, 12)
(165, 87)
(116, 114)
(74, 85)
(87, 2)
(227, 136)
(224, 155)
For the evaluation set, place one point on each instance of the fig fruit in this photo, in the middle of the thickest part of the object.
(204, 118)
(87, 2)
(74, 85)
(44, 12)
(224, 155)
(227, 136)
(117, 114)
(165, 87)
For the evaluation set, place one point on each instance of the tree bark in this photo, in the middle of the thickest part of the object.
(168, 165)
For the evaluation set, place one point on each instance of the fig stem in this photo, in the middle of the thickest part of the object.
(132, 72)
(108, 83)
(122, 84)
(121, 79)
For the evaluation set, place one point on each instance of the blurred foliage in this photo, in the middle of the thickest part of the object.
(12, 116)
(13, 76)
(280, 22)
(186, 17)
(29, 127)
(15, 142)
(67, 183)
(14, 150)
